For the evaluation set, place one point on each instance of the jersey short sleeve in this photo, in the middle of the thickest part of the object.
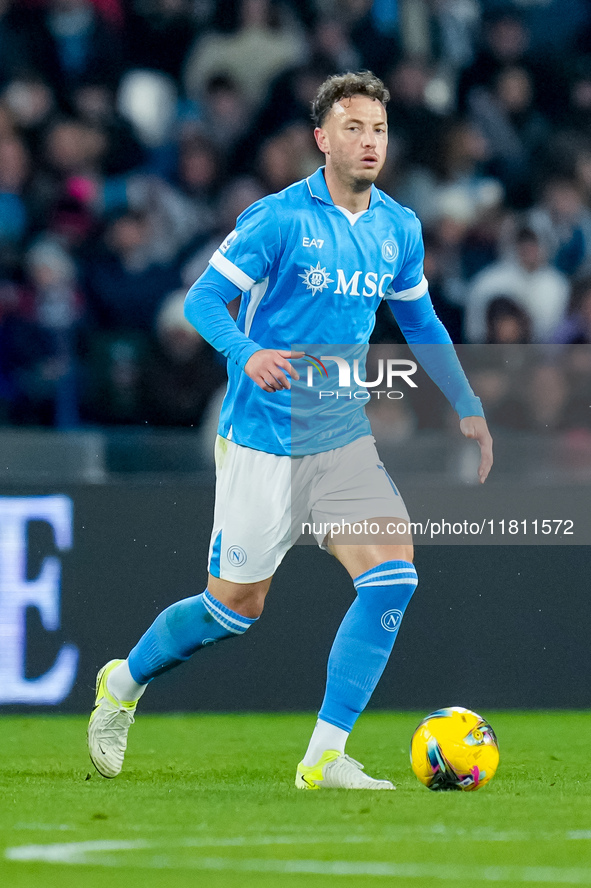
(410, 282)
(249, 252)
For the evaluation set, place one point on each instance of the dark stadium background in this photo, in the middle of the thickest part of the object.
(131, 135)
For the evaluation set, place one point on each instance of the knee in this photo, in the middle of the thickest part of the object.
(246, 599)
(247, 602)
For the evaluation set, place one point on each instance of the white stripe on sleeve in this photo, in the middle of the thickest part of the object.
(412, 293)
(231, 272)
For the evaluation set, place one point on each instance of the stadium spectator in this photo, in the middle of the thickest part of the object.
(514, 129)
(507, 323)
(454, 29)
(460, 176)
(124, 283)
(199, 175)
(94, 105)
(376, 41)
(41, 341)
(14, 176)
(287, 101)
(576, 327)
(332, 43)
(159, 34)
(68, 43)
(504, 406)
(223, 114)
(173, 219)
(412, 121)
(71, 149)
(546, 398)
(525, 277)
(239, 194)
(31, 104)
(564, 220)
(253, 53)
(286, 157)
(442, 285)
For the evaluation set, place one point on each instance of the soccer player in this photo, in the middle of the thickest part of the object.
(312, 263)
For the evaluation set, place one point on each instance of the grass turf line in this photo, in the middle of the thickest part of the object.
(209, 799)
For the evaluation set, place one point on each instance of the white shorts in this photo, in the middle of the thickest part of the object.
(263, 500)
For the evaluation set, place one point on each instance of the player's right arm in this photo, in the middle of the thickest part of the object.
(246, 256)
(268, 367)
(206, 308)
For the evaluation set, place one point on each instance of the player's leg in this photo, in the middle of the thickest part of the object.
(250, 537)
(224, 610)
(175, 635)
(385, 579)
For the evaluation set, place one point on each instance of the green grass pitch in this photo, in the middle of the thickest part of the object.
(209, 800)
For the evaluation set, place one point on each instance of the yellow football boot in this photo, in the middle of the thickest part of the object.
(108, 727)
(335, 770)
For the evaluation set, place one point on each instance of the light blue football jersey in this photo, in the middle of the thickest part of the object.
(311, 272)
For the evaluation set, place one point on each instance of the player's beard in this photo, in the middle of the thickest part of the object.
(356, 181)
(358, 184)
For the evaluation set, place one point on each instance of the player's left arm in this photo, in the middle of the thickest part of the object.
(431, 344)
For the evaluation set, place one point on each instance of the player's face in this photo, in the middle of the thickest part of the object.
(354, 138)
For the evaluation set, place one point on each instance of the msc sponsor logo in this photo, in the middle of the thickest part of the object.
(370, 284)
(317, 279)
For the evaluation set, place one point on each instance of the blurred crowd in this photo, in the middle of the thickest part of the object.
(133, 132)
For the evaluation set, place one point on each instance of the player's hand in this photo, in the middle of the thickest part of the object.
(268, 367)
(476, 427)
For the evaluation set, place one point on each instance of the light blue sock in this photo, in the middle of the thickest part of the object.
(179, 631)
(365, 640)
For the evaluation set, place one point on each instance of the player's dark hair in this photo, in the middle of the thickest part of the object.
(345, 86)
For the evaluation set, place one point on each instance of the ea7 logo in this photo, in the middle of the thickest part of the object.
(313, 242)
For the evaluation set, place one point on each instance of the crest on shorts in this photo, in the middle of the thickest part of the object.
(236, 556)
(316, 279)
